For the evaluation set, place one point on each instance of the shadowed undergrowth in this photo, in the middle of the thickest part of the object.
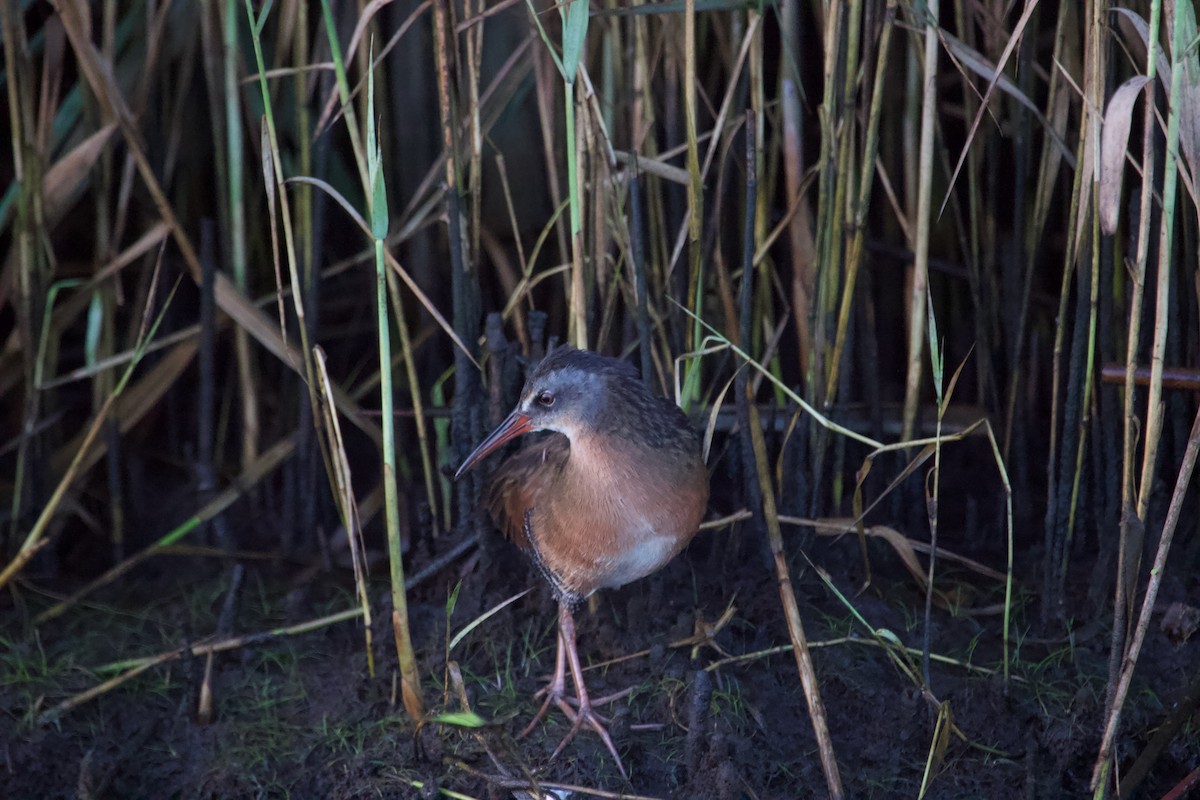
(924, 274)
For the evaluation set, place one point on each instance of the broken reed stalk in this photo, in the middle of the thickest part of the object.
(856, 639)
(347, 505)
(766, 493)
(1183, 481)
(791, 610)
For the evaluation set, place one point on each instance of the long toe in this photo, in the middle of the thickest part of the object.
(551, 698)
(585, 716)
(601, 701)
(569, 704)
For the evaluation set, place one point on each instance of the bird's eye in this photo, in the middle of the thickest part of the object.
(545, 398)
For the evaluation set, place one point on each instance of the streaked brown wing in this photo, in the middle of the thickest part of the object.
(522, 479)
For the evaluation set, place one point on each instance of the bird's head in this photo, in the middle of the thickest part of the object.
(567, 392)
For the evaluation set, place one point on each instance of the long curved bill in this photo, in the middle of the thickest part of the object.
(516, 425)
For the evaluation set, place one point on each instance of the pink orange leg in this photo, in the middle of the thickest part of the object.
(584, 715)
(555, 691)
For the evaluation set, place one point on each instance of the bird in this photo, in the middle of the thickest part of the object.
(614, 491)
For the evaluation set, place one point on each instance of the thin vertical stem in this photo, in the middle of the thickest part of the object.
(1166, 240)
(1182, 482)
(695, 196)
(920, 285)
(578, 307)
(637, 257)
(235, 159)
(1131, 524)
(862, 202)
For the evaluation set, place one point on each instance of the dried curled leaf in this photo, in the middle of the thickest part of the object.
(1113, 143)
(68, 177)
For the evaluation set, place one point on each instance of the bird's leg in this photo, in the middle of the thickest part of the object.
(584, 715)
(555, 690)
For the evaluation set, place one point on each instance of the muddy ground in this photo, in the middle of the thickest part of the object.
(299, 716)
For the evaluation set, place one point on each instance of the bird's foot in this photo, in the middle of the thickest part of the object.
(580, 715)
(555, 694)
(579, 709)
(584, 715)
(568, 704)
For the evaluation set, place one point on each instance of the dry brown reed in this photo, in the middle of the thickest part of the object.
(961, 161)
